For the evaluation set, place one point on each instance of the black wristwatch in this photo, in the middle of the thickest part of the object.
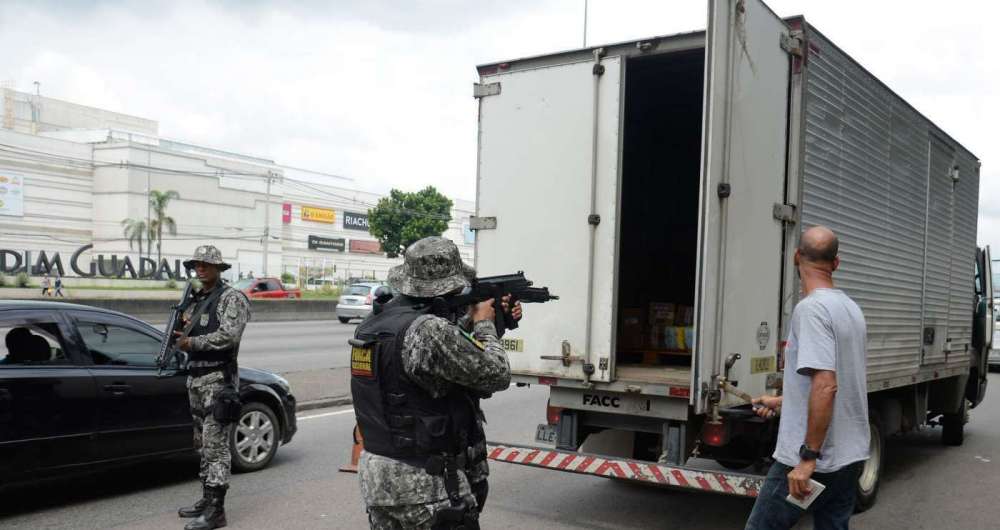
(805, 453)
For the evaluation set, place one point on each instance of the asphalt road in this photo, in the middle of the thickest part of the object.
(926, 485)
(295, 346)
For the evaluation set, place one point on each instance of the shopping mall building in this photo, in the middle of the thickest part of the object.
(70, 175)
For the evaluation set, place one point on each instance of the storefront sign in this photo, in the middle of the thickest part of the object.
(113, 266)
(318, 215)
(328, 244)
(356, 221)
(286, 213)
(11, 194)
(360, 246)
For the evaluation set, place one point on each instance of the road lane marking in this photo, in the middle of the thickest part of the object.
(325, 414)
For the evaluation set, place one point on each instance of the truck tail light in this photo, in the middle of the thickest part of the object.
(552, 414)
(714, 434)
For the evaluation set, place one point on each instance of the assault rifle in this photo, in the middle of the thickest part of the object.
(496, 287)
(167, 350)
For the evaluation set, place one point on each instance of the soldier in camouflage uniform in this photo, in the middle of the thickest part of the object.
(216, 318)
(417, 376)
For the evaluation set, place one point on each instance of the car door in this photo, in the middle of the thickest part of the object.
(140, 412)
(47, 396)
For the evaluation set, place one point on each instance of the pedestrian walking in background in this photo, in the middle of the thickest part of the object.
(823, 433)
(46, 285)
(58, 283)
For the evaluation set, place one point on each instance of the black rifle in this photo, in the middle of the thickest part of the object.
(496, 287)
(167, 350)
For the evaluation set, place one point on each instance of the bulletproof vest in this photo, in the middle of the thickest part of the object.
(398, 418)
(209, 315)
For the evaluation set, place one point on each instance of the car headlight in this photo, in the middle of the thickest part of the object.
(283, 383)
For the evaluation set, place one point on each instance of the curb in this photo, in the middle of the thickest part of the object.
(323, 403)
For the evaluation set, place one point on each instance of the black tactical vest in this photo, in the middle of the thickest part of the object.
(398, 418)
(209, 314)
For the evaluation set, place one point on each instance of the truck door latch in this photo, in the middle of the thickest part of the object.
(566, 358)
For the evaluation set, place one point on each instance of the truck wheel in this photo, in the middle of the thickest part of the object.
(343, 320)
(953, 425)
(871, 473)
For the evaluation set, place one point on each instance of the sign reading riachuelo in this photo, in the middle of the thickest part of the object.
(112, 266)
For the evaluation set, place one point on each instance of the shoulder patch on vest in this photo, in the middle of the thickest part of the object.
(472, 339)
(361, 361)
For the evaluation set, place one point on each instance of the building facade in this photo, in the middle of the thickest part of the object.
(71, 176)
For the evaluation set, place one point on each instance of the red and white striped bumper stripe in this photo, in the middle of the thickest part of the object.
(623, 468)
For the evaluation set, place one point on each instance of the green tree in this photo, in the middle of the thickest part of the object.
(402, 218)
(159, 200)
(135, 230)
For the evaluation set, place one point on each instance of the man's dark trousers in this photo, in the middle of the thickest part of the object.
(831, 510)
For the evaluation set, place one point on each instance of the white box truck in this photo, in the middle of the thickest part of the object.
(659, 186)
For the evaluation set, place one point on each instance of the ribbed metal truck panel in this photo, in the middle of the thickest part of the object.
(882, 177)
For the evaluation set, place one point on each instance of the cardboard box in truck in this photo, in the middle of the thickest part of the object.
(766, 127)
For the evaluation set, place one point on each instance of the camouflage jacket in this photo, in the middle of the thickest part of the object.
(437, 355)
(233, 313)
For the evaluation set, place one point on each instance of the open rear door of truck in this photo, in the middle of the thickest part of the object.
(547, 205)
(742, 193)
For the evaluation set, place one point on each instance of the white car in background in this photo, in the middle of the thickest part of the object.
(356, 301)
(993, 362)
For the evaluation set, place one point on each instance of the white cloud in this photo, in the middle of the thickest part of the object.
(381, 90)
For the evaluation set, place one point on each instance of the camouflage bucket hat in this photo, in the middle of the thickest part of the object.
(207, 254)
(431, 267)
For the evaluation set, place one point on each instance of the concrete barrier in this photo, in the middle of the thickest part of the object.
(157, 311)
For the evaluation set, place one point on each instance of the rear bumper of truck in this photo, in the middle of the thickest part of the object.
(683, 477)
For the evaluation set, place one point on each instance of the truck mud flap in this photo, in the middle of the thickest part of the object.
(724, 482)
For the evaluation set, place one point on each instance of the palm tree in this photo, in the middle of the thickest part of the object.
(159, 200)
(135, 231)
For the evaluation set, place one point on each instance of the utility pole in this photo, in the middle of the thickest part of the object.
(585, 23)
(267, 218)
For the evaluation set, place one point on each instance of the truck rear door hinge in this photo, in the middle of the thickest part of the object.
(792, 43)
(784, 212)
(481, 90)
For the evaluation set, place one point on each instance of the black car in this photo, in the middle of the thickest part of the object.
(79, 389)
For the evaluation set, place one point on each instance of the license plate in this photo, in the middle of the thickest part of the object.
(546, 433)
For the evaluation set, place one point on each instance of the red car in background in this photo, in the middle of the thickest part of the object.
(266, 288)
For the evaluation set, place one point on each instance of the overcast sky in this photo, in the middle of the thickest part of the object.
(380, 91)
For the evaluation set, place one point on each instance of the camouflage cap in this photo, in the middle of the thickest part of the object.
(207, 254)
(431, 267)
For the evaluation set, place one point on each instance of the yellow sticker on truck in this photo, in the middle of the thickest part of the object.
(763, 365)
(514, 345)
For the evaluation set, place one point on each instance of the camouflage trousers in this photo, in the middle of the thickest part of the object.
(211, 438)
(420, 516)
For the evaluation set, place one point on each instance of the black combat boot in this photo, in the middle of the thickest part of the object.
(214, 515)
(198, 507)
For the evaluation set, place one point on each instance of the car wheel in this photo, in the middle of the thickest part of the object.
(343, 320)
(871, 471)
(255, 438)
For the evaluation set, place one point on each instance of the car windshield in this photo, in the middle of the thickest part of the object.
(358, 290)
(243, 284)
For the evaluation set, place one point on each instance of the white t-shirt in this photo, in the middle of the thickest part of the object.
(827, 333)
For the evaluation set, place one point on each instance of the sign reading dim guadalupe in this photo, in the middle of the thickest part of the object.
(318, 215)
(11, 194)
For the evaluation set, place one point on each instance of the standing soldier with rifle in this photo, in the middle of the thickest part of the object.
(213, 324)
(418, 370)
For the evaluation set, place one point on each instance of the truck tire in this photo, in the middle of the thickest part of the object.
(871, 472)
(953, 425)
